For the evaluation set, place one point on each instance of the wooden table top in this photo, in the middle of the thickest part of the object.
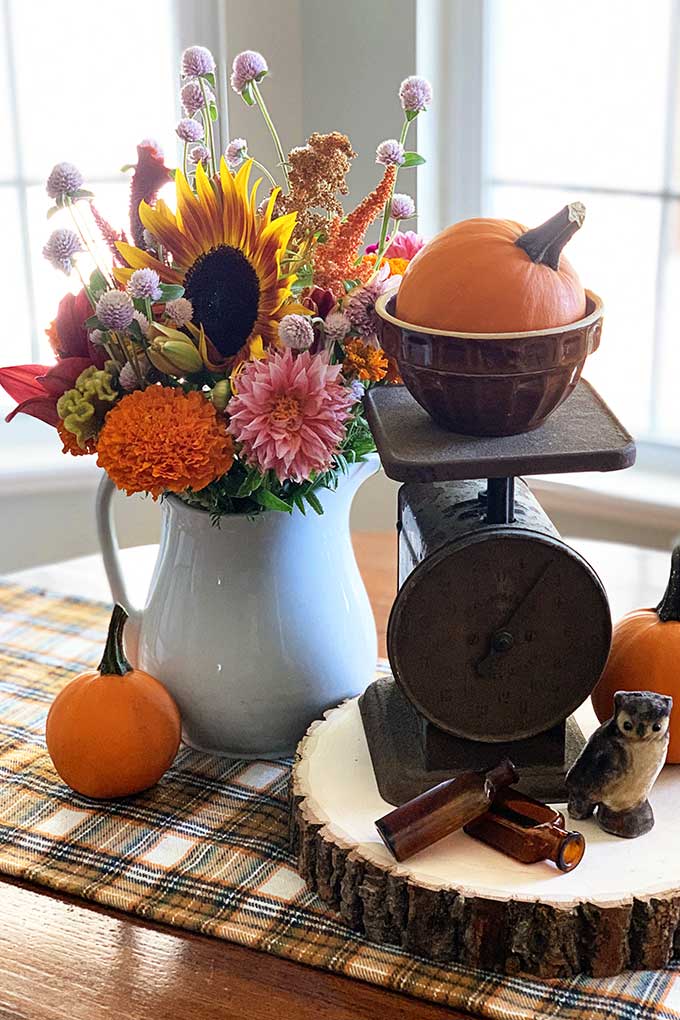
(61, 958)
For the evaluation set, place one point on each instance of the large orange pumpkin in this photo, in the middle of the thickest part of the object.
(113, 731)
(495, 276)
(645, 655)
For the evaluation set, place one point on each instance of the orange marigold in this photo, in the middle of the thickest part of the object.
(365, 362)
(397, 266)
(163, 439)
(70, 442)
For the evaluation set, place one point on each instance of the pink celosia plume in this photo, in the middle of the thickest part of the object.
(289, 414)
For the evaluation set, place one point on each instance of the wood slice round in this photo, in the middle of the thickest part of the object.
(461, 901)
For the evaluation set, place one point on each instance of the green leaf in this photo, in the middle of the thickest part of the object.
(128, 166)
(247, 96)
(314, 503)
(94, 323)
(269, 501)
(171, 291)
(97, 282)
(81, 193)
(300, 504)
(411, 115)
(136, 331)
(412, 159)
(52, 211)
(249, 485)
(213, 111)
(210, 78)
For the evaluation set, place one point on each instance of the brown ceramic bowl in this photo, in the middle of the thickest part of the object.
(490, 384)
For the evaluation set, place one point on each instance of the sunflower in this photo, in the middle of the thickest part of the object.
(225, 255)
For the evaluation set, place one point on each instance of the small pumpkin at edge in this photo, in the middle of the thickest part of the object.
(495, 276)
(113, 731)
(645, 653)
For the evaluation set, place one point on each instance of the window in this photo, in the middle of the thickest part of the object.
(580, 101)
(83, 85)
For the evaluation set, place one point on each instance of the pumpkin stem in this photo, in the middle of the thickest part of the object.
(669, 607)
(114, 661)
(545, 243)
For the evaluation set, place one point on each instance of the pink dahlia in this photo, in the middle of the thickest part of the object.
(289, 414)
(404, 245)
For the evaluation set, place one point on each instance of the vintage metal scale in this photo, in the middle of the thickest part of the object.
(499, 630)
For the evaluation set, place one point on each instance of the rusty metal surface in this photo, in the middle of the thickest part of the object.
(500, 634)
(582, 435)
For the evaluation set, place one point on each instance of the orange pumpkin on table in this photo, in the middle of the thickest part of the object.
(113, 731)
(495, 276)
(645, 654)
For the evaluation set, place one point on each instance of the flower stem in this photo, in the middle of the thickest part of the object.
(388, 206)
(207, 120)
(265, 172)
(184, 159)
(89, 242)
(272, 130)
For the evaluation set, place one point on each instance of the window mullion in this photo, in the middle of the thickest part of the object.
(21, 185)
(657, 373)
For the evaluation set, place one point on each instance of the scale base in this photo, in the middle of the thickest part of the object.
(394, 732)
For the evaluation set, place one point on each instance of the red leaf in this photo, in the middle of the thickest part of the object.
(63, 375)
(21, 382)
(44, 408)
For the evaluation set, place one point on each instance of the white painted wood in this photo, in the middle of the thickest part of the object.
(335, 776)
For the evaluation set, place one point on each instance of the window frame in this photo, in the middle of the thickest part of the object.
(453, 49)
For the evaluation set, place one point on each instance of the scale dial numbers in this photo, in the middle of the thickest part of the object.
(500, 635)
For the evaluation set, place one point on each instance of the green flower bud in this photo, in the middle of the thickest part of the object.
(175, 356)
(220, 394)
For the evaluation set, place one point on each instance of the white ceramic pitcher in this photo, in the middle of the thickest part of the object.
(255, 626)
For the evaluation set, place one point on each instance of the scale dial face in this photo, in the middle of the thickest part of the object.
(499, 635)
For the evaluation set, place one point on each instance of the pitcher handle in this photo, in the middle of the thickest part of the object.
(108, 541)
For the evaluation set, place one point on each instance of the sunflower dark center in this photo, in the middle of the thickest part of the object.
(225, 292)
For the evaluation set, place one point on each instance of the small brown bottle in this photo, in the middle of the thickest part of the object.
(529, 831)
(443, 809)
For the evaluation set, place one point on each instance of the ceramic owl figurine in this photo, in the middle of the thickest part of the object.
(618, 766)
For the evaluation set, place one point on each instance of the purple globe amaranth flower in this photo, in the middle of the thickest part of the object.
(127, 378)
(190, 130)
(144, 283)
(415, 94)
(115, 309)
(180, 311)
(296, 332)
(360, 307)
(248, 66)
(192, 97)
(61, 246)
(64, 179)
(390, 153)
(357, 389)
(403, 207)
(143, 322)
(336, 327)
(199, 154)
(236, 153)
(197, 61)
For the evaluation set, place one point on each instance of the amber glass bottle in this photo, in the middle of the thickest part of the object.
(443, 809)
(529, 831)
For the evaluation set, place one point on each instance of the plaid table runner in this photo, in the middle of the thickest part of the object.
(207, 848)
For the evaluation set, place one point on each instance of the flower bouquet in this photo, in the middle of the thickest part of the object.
(221, 347)
(216, 356)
